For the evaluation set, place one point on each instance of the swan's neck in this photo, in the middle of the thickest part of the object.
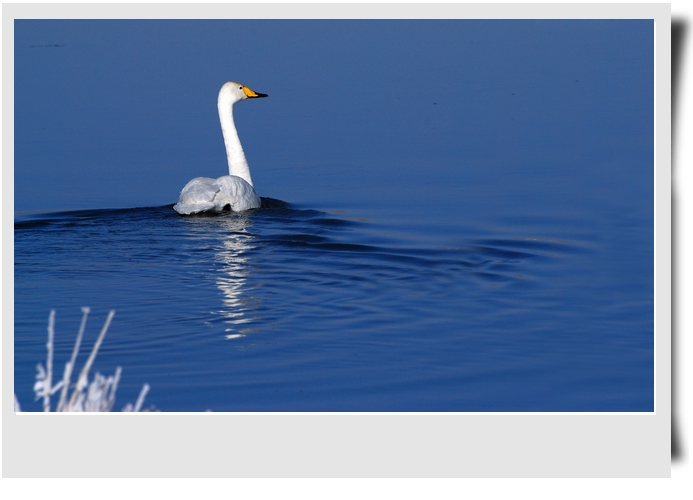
(238, 165)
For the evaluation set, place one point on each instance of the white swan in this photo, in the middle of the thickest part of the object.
(203, 194)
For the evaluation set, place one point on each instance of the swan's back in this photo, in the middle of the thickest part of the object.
(203, 194)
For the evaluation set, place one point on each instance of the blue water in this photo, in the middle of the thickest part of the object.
(458, 215)
(335, 312)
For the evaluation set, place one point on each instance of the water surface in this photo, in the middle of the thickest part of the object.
(467, 220)
(295, 309)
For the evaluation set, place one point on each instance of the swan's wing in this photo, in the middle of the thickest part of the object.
(203, 194)
(237, 193)
(197, 196)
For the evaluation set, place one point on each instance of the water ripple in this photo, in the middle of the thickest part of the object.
(299, 285)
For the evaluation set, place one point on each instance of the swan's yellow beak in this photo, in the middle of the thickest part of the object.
(251, 93)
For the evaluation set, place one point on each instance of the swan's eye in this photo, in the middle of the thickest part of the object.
(241, 87)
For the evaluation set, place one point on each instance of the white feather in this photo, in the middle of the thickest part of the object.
(234, 191)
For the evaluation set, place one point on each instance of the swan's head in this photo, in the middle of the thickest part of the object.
(232, 92)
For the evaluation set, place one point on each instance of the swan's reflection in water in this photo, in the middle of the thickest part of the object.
(237, 305)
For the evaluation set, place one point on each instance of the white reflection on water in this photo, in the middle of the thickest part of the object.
(237, 241)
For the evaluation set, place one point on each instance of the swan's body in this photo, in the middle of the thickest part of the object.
(204, 194)
(234, 191)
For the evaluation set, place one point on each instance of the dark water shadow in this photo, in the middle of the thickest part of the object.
(72, 217)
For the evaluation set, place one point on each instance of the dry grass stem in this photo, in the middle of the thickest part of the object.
(100, 392)
(71, 364)
(82, 381)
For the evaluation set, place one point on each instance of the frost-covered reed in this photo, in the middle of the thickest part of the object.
(95, 396)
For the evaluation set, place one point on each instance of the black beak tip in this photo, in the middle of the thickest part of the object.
(260, 95)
